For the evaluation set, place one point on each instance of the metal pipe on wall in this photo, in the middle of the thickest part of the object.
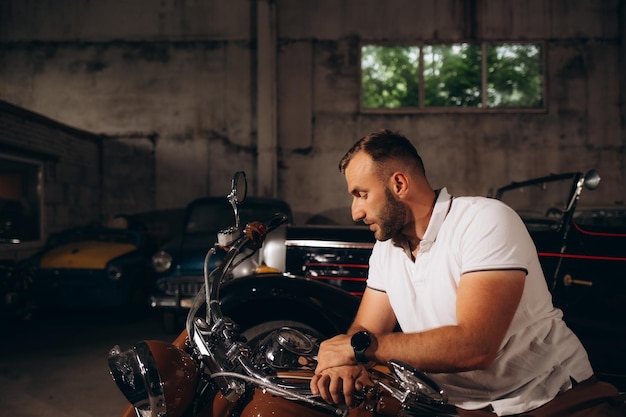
(266, 99)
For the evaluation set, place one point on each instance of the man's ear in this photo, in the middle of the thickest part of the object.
(399, 184)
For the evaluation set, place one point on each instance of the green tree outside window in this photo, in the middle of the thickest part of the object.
(451, 76)
(515, 76)
(390, 76)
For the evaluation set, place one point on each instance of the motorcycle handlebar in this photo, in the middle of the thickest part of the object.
(257, 231)
(226, 343)
(252, 239)
(278, 220)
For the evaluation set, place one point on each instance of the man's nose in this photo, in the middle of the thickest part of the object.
(357, 212)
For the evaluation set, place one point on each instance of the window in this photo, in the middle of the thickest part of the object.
(457, 77)
(20, 199)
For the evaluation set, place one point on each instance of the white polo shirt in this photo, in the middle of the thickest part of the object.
(539, 352)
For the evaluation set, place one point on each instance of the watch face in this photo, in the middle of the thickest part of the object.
(361, 340)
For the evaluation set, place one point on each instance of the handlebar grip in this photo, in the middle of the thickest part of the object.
(257, 231)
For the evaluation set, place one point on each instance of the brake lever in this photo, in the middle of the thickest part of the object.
(276, 221)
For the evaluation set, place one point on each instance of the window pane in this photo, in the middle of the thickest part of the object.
(514, 76)
(19, 199)
(389, 76)
(452, 75)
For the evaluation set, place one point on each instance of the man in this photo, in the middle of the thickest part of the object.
(462, 279)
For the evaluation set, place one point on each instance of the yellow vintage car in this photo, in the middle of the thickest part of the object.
(93, 266)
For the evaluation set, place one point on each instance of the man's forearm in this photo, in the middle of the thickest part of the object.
(445, 349)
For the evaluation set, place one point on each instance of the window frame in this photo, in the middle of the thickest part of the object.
(458, 110)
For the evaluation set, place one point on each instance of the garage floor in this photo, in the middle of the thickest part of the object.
(56, 365)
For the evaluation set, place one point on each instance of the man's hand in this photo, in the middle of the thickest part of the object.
(337, 385)
(333, 352)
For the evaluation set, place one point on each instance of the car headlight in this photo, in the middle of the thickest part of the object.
(157, 378)
(161, 261)
(114, 273)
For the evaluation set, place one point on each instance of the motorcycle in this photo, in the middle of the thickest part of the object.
(216, 368)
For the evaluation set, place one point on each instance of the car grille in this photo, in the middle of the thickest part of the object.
(342, 264)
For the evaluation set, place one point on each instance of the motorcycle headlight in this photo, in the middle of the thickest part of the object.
(161, 261)
(157, 378)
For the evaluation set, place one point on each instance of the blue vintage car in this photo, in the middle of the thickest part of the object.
(179, 264)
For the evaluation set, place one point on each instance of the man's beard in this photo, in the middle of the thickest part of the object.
(392, 218)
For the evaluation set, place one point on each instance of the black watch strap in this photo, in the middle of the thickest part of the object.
(360, 341)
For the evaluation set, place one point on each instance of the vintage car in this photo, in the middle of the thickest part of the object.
(582, 250)
(335, 254)
(179, 264)
(95, 266)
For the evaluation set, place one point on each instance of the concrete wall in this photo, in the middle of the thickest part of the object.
(272, 87)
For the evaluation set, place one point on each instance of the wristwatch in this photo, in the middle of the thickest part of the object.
(360, 341)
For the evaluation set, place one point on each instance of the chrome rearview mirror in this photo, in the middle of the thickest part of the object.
(592, 179)
(238, 192)
(238, 188)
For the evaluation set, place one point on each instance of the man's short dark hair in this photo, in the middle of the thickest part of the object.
(384, 146)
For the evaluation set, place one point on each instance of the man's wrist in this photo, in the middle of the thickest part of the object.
(363, 344)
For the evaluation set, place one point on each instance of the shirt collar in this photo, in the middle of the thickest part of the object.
(440, 211)
(442, 206)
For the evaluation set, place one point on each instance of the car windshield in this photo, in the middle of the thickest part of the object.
(212, 217)
(540, 204)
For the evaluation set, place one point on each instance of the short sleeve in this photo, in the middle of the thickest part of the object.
(494, 238)
(375, 277)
